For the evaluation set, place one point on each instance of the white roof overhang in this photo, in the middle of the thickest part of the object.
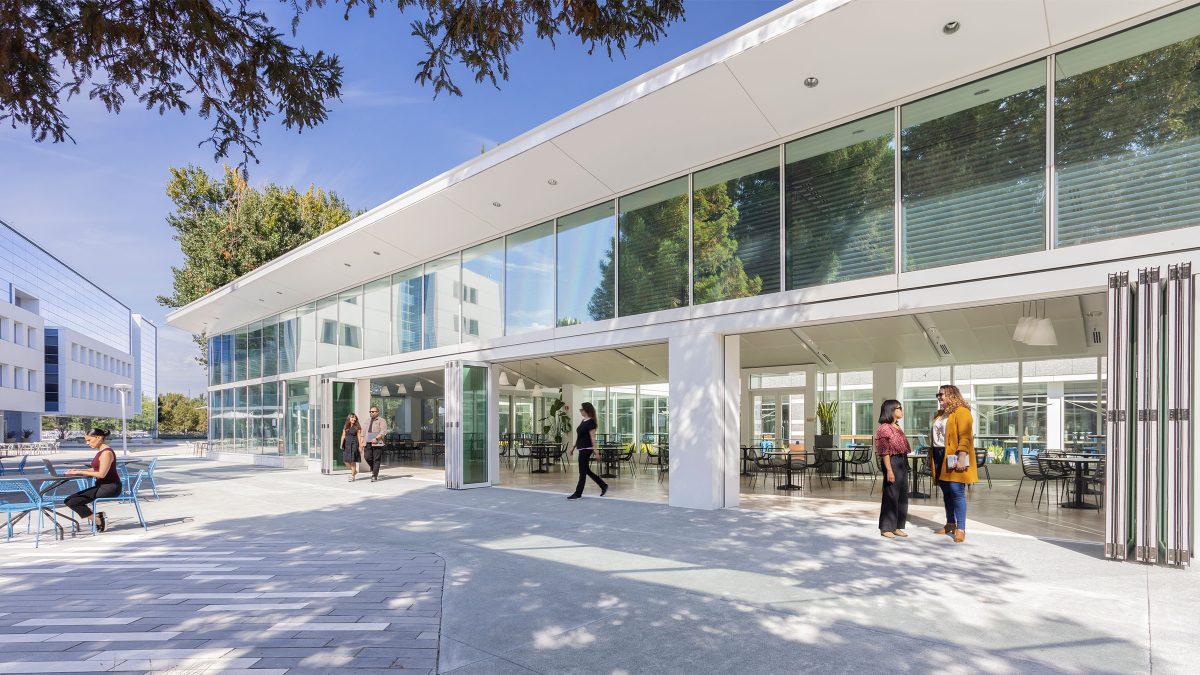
(742, 91)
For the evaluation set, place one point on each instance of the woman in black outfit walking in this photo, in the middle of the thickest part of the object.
(585, 443)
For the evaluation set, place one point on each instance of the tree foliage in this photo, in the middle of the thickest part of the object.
(229, 63)
(226, 228)
(179, 414)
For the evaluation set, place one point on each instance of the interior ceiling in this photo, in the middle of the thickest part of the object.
(975, 335)
(644, 364)
(741, 91)
(431, 384)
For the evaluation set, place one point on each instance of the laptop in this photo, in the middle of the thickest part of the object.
(50, 468)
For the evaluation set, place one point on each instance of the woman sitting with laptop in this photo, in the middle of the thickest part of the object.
(108, 481)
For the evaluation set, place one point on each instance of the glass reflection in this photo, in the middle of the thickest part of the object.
(735, 226)
(350, 325)
(653, 249)
(1127, 132)
(483, 291)
(327, 331)
(841, 203)
(585, 265)
(529, 280)
(442, 301)
(973, 170)
(270, 347)
(406, 292)
(306, 337)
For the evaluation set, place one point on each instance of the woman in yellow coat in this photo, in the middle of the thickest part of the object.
(954, 466)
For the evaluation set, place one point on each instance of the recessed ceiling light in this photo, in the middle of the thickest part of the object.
(858, 131)
(278, 292)
(346, 264)
(261, 300)
(496, 204)
(375, 252)
(982, 91)
(951, 27)
(811, 82)
(552, 182)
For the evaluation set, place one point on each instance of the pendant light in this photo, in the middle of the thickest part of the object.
(503, 379)
(401, 389)
(1023, 325)
(385, 392)
(520, 384)
(418, 387)
(1041, 333)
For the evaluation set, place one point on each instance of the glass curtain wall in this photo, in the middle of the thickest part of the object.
(407, 294)
(306, 337)
(735, 228)
(585, 274)
(350, 325)
(920, 401)
(442, 301)
(377, 318)
(327, 332)
(254, 351)
(270, 345)
(529, 279)
(1127, 132)
(840, 203)
(652, 249)
(299, 421)
(973, 170)
(483, 291)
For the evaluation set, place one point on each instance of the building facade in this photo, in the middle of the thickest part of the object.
(842, 201)
(65, 344)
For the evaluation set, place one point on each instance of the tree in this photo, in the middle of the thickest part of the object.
(226, 228)
(180, 414)
(237, 69)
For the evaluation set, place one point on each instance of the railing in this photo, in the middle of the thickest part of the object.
(21, 449)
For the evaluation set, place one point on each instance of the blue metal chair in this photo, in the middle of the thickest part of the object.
(129, 493)
(17, 495)
(21, 464)
(150, 476)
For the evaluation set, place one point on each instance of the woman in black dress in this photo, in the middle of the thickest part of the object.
(585, 443)
(108, 481)
(352, 443)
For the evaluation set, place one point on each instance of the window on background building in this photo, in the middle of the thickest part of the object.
(483, 289)
(74, 352)
(857, 413)
(4, 329)
(18, 381)
(442, 301)
(973, 170)
(241, 347)
(327, 331)
(840, 203)
(18, 333)
(377, 318)
(74, 388)
(254, 350)
(31, 340)
(652, 249)
(1127, 132)
(306, 337)
(33, 380)
(406, 315)
(270, 347)
(735, 228)
(529, 279)
(585, 281)
(623, 413)
(350, 325)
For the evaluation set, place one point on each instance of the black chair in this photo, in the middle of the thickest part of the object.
(664, 461)
(1055, 471)
(981, 463)
(860, 463)
(1030, 470)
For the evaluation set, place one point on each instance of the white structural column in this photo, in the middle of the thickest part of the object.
(887, 381)
(699, 404)
(1056, 408)
(732, 400)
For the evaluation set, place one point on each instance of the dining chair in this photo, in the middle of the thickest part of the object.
(17, 496)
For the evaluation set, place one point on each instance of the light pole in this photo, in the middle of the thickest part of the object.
(124, 389)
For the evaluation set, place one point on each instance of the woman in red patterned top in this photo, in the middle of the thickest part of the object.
(892, 447)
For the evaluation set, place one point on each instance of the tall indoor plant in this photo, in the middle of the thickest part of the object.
(826, 416)
(558, 421)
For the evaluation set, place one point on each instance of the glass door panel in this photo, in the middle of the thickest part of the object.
(298, 418)
(341, 405)
(475, 425)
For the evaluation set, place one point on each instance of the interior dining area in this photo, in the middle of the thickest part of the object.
(413, 408)
(809, 403)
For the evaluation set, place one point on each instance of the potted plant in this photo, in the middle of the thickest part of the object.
(558, 421)
(826, 415)
(26, 435)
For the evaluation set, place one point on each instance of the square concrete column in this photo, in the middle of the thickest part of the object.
(705, 374)
(887, 381)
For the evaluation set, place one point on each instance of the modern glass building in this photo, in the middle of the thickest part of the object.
(840, 201)
(65, 343)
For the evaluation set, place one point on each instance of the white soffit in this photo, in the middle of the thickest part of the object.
(696, 119)
(871, 52)
(1068, 19)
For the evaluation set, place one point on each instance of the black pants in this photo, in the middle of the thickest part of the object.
(79, 502)
(585, 456)
(374, 456)
(893, 513)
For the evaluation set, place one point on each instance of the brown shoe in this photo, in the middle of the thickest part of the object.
(900, 533)
(946, 529)
(889, 535)
(959, 535)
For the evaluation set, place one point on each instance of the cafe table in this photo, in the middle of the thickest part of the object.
(747, 459)
(609, 457)
(1081, 463)
(915, 489)
(45, 483)
(543, 453)
(787, 466)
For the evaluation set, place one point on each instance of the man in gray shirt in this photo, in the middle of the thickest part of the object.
(375, 431)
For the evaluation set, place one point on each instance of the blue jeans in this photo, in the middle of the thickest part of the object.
(955, 497)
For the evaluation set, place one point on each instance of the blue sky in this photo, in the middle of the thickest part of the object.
(100, 206)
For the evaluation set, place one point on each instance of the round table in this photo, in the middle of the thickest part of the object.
(914, 489)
